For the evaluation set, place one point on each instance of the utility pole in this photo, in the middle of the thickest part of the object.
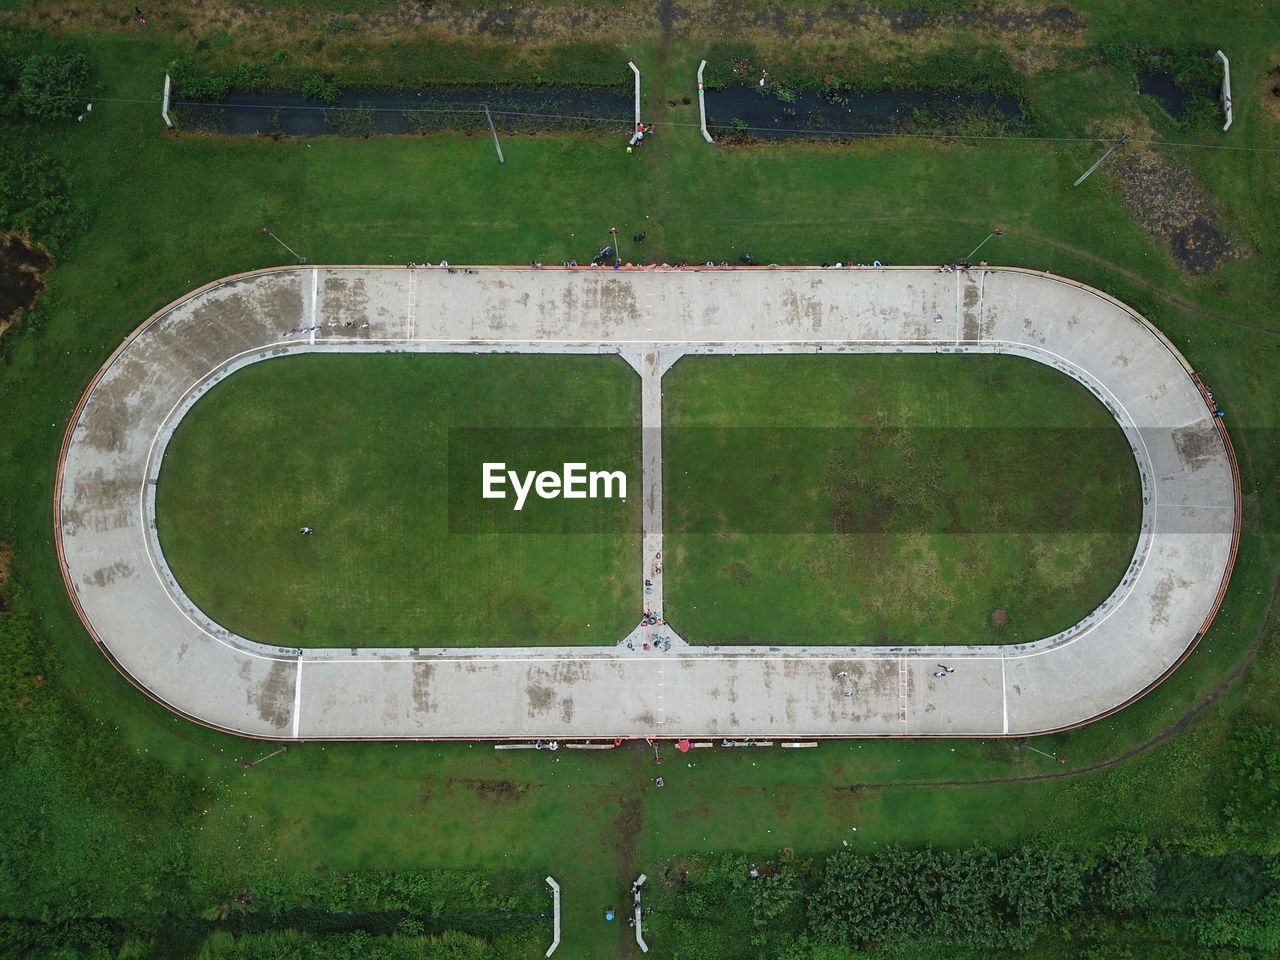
(266, 231)
(494, 130)
(1028, 746)
(254, 763)
(993, 233)
(1118, 144)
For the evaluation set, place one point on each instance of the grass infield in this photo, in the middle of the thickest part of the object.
(890, 499)
(380, 456)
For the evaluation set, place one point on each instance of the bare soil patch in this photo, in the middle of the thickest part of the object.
(1269, 93)
(498, 791)
(6, 565)
(1164, 197)
(22, 270)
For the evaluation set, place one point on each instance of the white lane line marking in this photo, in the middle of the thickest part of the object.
(959, 310)
(1004, 695)
(902, 692)
(411, 321)
(297, 698)
(662, 716)
(315, 284)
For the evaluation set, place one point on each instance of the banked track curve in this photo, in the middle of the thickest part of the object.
(138, 615)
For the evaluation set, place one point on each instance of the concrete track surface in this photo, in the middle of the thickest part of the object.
(142, 620)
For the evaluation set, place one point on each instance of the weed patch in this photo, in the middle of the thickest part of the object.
(1164, 197)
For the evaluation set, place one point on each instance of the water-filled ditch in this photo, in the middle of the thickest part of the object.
(364, 112)
(769, 114)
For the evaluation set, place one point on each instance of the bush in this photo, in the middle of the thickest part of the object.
(249, 76)
(321, 88)
(1256, 927)
(189, 83)
(51, 86)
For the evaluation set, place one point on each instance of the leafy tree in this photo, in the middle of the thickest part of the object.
(1256, 927)
(1122, 878)
(51, 86)
(1038, 886)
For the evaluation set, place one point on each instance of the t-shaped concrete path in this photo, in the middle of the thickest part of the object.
(135, 610)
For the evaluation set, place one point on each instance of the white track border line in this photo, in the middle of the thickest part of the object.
(411, 318)
(1004, 695)
(297, 697)
(252, 648)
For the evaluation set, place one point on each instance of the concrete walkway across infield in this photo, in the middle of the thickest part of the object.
(137, 612)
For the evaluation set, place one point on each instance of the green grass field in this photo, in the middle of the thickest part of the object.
(115, 808)
(381, 456)
(889, 500)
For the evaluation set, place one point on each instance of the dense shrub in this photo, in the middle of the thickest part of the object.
(294, 945)
(36, 197)
(1251, 805)
(51, 86)
(322, 88)
(972, 896)
(193, 84)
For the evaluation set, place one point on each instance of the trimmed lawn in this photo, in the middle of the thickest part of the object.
(381, 456)
(890, 499)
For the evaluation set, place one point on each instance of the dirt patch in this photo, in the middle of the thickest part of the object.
(999, 618)
(22, 270)
(1269, 93)
(499, 791)
(1165, 198)
(739, 573)
(6, 565)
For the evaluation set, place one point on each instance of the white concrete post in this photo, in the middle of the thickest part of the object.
(555, 916)
(164, 106)
(702, 104)
(1226, 89)
(635, 127)
(644, 947)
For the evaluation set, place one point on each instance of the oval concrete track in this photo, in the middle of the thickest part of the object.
(138, 614)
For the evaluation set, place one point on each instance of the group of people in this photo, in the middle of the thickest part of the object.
(316, 328)
(445, 263)
(637, 138)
